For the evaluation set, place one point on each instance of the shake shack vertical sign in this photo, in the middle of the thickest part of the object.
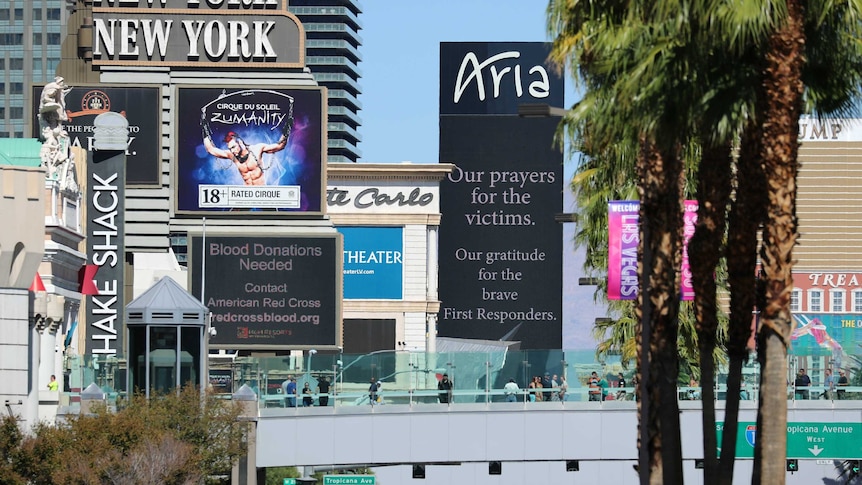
(105, 249)
(230, 33)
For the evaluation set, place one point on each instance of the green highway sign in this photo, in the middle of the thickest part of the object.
(349, 480)
(289, 481)
(839, 441)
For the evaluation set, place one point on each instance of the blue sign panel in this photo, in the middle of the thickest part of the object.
(373, 262)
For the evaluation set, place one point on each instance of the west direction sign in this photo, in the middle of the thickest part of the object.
(838, 441)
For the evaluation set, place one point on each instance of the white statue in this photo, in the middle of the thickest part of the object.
(57, 158)
(53, 98)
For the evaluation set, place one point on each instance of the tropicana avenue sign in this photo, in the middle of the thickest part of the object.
(197, 33)
(839, 441)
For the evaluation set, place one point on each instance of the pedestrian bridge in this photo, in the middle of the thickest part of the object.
(532, 440)
(600, 436)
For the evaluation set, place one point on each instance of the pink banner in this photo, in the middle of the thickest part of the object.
(623, 233)
(689, 221)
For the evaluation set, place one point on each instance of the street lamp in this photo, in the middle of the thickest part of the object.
(310, 354)
(540, 110)
(562, 217)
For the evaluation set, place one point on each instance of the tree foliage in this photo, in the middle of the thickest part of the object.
(174, 439)
(663, 79)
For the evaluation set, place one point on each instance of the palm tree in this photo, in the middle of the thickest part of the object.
(619, 105)
(643, 69)
(782, 106)
(713, 195)
(658, 307)
(745, 218)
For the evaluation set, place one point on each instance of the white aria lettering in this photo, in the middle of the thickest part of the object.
(539, 87)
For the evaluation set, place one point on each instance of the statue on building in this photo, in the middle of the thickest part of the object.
(56, 155)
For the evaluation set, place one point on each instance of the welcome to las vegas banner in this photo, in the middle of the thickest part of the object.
(623, 237)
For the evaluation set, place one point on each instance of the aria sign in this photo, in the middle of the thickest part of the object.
(229, 33)
(495, 77)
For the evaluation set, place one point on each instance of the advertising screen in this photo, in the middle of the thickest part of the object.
(139, 105)
(250, 150)
(373, 262)
(826, 334)
(500, 246)
(269, 292)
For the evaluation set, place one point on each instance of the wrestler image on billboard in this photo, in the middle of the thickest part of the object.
(249, 138)
(248, 159)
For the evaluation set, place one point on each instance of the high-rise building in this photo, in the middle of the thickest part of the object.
(332, 53)
(31, 32)
(30, 35)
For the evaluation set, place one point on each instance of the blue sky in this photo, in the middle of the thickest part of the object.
(400, 99)
(401, 59)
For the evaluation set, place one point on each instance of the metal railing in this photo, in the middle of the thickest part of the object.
(410, 377)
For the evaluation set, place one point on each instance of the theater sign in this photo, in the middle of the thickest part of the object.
(197, 33)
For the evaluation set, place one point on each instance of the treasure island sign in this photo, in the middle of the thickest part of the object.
(197, 33)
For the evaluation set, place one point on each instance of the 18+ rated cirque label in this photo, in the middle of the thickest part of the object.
(227, 196)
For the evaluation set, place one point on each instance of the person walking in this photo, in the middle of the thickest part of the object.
(603, 384)
(307, 396)
(621, 385)
(532, 389)
(802, 383)
(564, 388)
(323, 391)
(540, 396)
(445, 387)
(842, 382)
(53, 385)
(555, 384)
(547, 385)
(694, 390)
(828, 384)
(372, 391)
(289, 387)
(511, 389)
(595, 389)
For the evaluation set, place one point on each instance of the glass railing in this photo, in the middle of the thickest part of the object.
(409, 377)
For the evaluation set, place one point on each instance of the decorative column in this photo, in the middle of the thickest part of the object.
(244, 472)
(431, 290)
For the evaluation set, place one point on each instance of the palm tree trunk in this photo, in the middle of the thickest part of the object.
(745, 218)
(782, 87)
(660, 174)
(713, 194)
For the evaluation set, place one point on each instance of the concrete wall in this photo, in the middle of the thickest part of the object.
(533, 440)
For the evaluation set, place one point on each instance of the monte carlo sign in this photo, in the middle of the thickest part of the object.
(197, 33)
